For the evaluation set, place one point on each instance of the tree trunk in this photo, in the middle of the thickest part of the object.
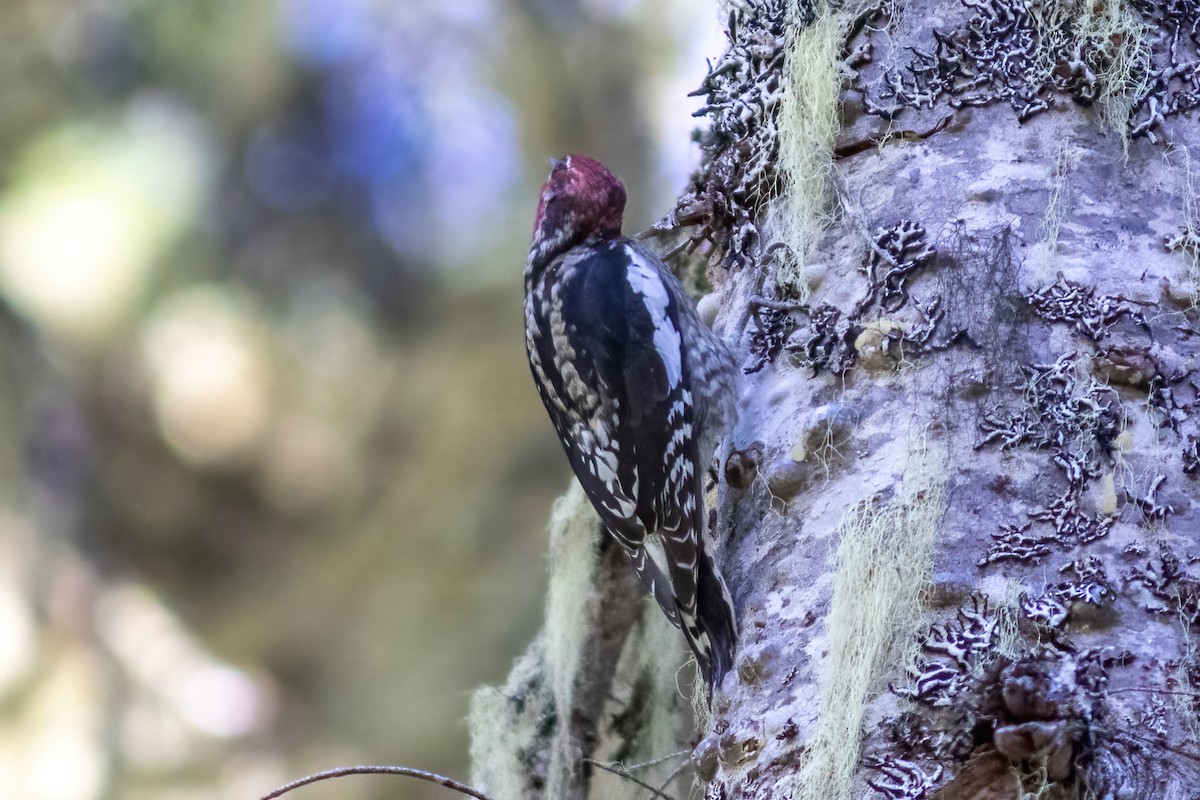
(957, 245)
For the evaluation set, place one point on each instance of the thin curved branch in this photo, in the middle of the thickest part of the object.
(408, 772)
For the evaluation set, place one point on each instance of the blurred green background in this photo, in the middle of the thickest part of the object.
(273, 475)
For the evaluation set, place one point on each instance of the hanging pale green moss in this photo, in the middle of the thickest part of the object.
(1187, 243)
(529, 737)
(510, 726)
(884, 563)
(506, 724)
(1116, 40)
(1043, 256)
(808, 123)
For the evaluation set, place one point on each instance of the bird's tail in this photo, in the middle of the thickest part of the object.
(714, 613)
(697, 602)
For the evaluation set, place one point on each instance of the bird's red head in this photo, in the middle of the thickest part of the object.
(581, 201)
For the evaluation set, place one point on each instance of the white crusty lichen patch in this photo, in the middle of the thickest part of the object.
(884, 562)
(505, 723)
(1025, 52)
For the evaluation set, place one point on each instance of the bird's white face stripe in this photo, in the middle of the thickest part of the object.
(645, 280)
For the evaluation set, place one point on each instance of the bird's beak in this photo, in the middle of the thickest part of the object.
(554, 162)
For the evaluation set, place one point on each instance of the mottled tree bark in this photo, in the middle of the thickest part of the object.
(959, 512)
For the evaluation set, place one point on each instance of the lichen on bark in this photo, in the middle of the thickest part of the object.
(1015, 292)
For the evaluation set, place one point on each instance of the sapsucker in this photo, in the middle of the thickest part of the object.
(640, 392)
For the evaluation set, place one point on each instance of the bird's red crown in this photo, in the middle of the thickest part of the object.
(581, 201)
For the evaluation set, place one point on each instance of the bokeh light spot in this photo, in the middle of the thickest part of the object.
(211, 697)
(91, 209)
(209, 373)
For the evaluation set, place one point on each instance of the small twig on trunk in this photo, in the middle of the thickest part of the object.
(1193, 695)
(853, 148)
(656, 761)
(674, 774)
(622, 773)
(778, 305)
(408, 772)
